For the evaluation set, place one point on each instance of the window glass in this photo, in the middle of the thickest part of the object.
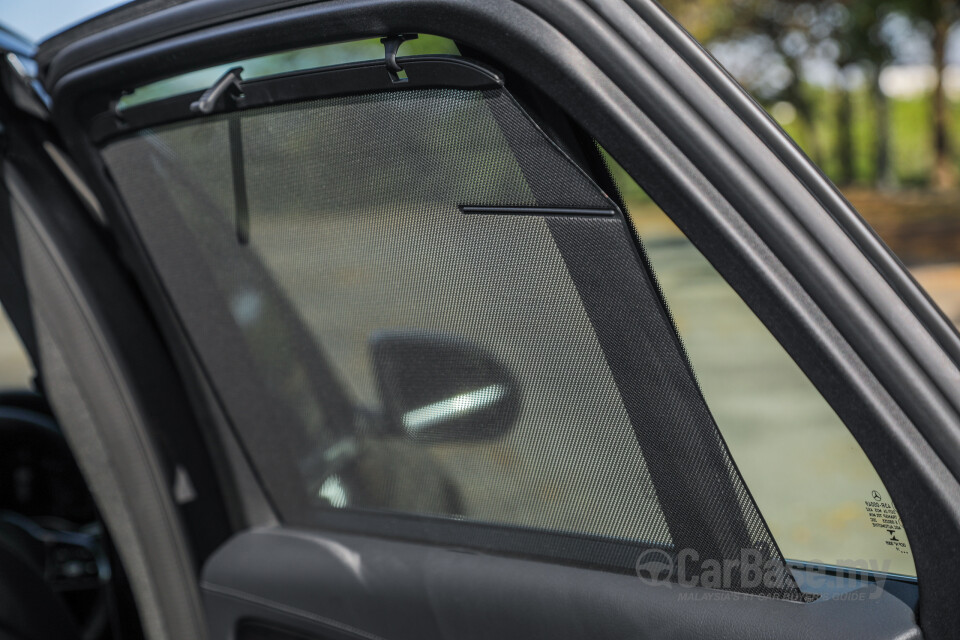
(16, 372)
(361, 236)
(820, 495)
(412, 302)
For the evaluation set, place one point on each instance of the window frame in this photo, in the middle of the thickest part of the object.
(853, 327)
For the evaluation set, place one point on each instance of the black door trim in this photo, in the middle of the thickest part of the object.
(423, 72)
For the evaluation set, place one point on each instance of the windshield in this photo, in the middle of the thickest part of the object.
(39, 20)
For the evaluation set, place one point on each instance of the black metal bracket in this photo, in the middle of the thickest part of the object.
(391, 44)
(228, 84)
(114, 107)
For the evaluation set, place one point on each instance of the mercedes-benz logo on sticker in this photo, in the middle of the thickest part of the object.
(655, 567)
(876, 496)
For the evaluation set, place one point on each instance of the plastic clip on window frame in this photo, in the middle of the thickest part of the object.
(230, 83)
(391, 45)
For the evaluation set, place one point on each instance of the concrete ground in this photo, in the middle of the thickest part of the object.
(15, 369)
(807, 474)
(942, 282)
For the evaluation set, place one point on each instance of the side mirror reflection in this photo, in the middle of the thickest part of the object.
(440, 388)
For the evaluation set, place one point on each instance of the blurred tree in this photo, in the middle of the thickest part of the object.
(801, 31)
(863, 48)
(938, 16)
(779, 32)
(845, 35)
(708, 20)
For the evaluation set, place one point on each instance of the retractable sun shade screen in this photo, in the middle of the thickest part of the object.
(300, 239)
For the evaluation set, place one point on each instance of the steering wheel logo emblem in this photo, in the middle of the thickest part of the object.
(655, 567)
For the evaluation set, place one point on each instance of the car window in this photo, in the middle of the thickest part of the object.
(820, 495)
(16, 372)
(412, 303)
(357, 250)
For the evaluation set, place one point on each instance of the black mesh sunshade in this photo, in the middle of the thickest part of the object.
(287, 236)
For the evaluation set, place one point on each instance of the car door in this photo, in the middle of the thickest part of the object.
(421, 359)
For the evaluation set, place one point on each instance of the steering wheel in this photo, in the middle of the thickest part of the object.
(29, 608)
(45, 557)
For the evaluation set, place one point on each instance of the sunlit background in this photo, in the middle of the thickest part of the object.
(870, 89)
(36, 20)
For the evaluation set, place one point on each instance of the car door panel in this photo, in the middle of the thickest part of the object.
(348, 586)
(865, 335)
